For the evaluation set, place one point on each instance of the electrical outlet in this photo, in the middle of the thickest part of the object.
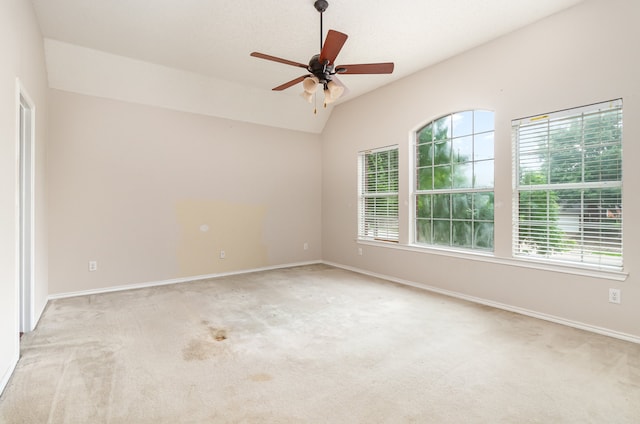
(614, 295)
(93, 266)
(222, 254)
(360, 251)
(305, 246)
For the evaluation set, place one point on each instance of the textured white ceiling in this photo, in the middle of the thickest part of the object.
(214, 37)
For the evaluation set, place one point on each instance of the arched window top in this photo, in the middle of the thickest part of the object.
(459, 124)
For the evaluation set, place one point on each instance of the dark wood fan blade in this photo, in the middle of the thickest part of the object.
(290, 83)
(278, 59)
(366, 68)
(332, 46)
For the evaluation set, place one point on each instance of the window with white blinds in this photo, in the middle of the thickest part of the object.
(378, 194)
(568, 186)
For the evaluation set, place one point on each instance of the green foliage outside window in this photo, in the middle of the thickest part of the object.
(454, 181)
(379, 195)
(570, 186)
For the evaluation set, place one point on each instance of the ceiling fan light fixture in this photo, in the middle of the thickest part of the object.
(335, 90)
(328, 98)
(310, 84)
(332, 92)
(307, 96)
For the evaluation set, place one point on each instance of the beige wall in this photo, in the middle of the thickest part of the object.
(154, 194)
(22, 57)
(584, 55)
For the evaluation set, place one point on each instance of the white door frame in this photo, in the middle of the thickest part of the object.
(25, 205)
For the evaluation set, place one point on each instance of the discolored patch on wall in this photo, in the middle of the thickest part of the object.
(261, 377)
(208, 228)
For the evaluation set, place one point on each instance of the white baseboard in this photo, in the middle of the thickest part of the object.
(7, 375)
(174, 281)
(498, 305)
(38, 315)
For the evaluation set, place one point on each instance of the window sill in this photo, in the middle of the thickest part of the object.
(491, 258)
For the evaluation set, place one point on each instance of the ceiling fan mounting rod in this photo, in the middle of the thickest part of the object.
(321, 6)
(320, 31)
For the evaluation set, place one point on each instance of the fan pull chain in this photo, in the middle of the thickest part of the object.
(315, 103)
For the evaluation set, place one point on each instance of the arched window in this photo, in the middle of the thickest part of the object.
(453, 181)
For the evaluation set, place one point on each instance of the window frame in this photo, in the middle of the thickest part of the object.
(476, 132)
(385, 227)
(586, 256)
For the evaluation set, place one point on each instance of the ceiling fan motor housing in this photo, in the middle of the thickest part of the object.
(322, 71)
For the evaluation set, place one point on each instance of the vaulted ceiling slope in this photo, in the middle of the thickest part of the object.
(193, 55)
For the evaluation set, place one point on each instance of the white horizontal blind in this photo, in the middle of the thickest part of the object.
(378, 194)
(569, 186)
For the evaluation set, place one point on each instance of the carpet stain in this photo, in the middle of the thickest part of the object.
(203, 348)
(261, 377)
(197, 350)
(217, 334)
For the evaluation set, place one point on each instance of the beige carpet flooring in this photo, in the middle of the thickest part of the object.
(312, 344)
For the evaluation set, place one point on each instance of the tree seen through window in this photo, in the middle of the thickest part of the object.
(454, 198)
(569, 167)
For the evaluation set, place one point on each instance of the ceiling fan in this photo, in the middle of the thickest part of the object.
(322, 69)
